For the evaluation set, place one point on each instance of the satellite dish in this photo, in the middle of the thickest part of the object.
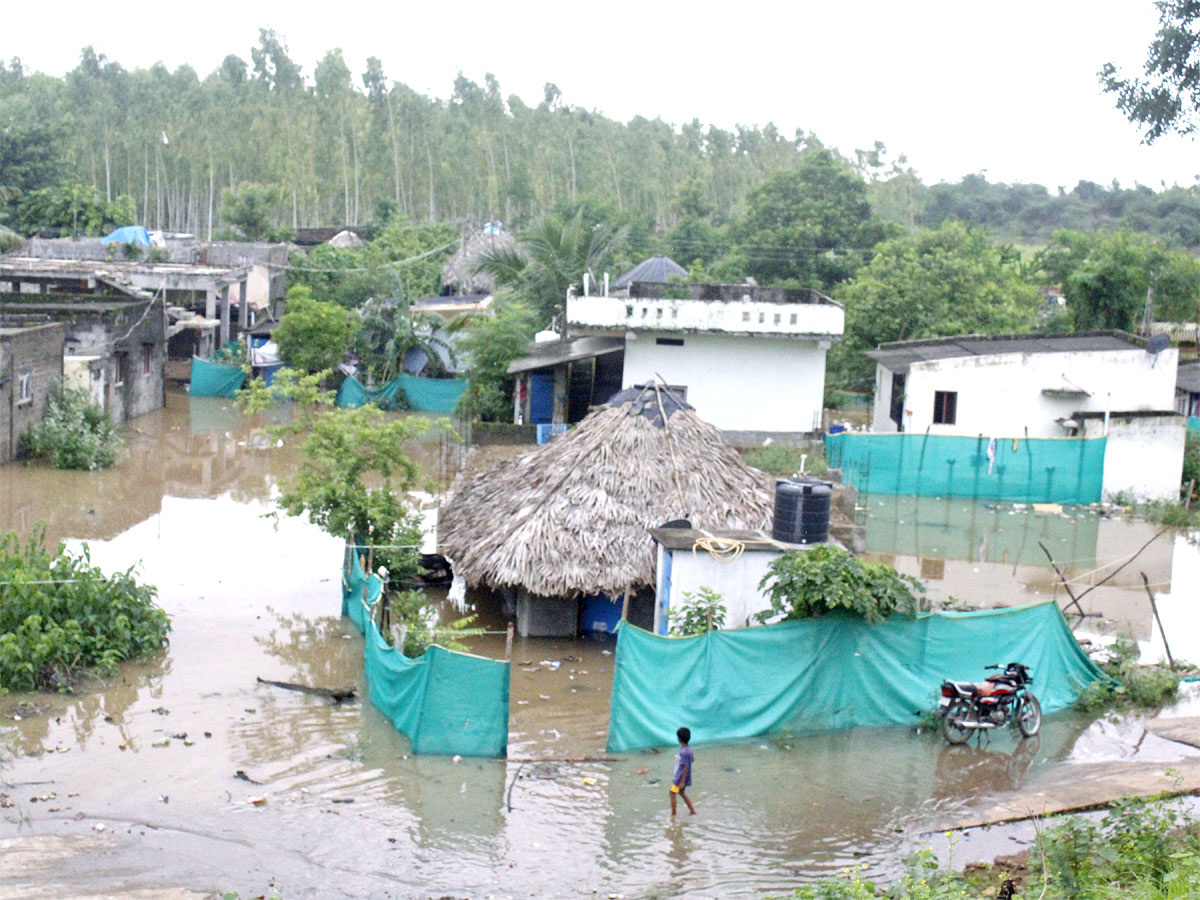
(1157, 343)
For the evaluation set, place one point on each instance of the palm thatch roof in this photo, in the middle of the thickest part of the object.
(461, 270)
(570, 518)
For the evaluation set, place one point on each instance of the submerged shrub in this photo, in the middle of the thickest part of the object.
(74, 433)
(1148, 687)
(61, 617)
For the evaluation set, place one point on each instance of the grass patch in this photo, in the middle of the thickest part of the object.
(786, 459)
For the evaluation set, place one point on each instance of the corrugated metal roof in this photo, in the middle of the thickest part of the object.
(1187, 377)
(900, 355)
(555, 353)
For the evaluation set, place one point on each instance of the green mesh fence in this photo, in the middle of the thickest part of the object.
(1193, 423)
(1017, 470)
(210, 379)
(446, 702)
(438, 395)
(828, 673)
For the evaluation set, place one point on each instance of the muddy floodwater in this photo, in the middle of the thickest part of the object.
(204, 778)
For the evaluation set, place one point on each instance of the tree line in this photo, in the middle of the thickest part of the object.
(178, 151)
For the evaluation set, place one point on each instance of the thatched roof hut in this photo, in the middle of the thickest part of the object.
(461, 271)
(570, 518)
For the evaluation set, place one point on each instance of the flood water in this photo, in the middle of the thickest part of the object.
(346, 811)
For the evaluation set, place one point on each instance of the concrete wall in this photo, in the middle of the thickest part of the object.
(1002, 395)
(736, 582)
(1143, 456)
(737, 383)
(745, 315)
(34, 351)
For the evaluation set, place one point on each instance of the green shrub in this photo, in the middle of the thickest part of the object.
(1191, 462)
(812, 582)
(699, 613)
(1148, 687)
(61, 617)
(74, 433)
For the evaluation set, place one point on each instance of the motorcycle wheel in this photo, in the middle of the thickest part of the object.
(951, 725)
(1029, 716)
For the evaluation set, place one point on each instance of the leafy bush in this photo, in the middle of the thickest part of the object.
(785, 459)
(1148, 687)
(74, 433)
(313, 335)
(1191, 462)
(699, 613)
(812, 582)
(61, 617)
(489, 345)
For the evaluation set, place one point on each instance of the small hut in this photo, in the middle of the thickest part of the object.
(461, 273)
(569, 520)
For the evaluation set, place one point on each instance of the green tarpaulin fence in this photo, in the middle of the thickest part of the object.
(1193, 423)
(210, 379)
(446, 702)
(828, 673)
(1017, 470)
(438, 395)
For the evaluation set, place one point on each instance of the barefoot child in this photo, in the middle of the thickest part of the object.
(682, 779)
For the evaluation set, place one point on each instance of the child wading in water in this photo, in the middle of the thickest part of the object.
(682, 779)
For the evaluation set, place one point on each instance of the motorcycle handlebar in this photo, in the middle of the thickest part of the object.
(991, 667)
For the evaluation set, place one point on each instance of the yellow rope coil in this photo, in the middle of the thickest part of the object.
(724, 550)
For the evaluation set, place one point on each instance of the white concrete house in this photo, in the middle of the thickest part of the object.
(1043, 386)
(751, 360)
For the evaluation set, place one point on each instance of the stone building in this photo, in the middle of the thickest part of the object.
(31, 363)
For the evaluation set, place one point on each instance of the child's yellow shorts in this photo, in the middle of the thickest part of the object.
(675, 789)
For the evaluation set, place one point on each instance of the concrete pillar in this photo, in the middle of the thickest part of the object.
(243, 306)
(210, 304)
(224, 316)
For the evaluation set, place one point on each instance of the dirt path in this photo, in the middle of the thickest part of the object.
(45, 867)
(1088, 787)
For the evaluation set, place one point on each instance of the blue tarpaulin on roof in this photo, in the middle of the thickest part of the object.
(128, 234)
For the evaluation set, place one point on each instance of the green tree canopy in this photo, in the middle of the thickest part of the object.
(811, 225)
(252, 210)
(947, 281)
(1105, 278)
(1168, 98)
(490, 344)
(313, 335)
(72, 209)
(552, 254)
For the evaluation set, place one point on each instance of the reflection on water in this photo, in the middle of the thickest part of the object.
(349, 811)
(986, 555)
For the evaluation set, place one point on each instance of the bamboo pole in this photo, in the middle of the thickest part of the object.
(508, 642)
(1161, 630)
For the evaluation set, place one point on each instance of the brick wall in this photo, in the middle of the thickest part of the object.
(35, 352)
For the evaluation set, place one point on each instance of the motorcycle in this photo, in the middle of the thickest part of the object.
(1002, 699)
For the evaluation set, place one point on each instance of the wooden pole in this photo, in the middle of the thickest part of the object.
(1074, 600)
(1187, 503)
(709, 619)
(1161, 630)
(625, 605)
(508, 642)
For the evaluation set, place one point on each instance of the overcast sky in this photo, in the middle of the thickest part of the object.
(959, 87)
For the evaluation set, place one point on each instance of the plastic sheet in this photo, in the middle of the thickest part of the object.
(829, 673)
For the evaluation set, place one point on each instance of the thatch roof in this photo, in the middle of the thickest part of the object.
(571, 517)
(460, 271)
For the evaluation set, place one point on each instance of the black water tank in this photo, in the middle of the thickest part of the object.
(802, 511)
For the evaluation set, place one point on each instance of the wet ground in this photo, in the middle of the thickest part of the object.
(330, 803)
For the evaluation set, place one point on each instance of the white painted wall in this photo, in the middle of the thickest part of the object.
(1001, 395)
(744, 316)
(1143, 456)
(736, 382)
(736, 582)
(881, 419)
